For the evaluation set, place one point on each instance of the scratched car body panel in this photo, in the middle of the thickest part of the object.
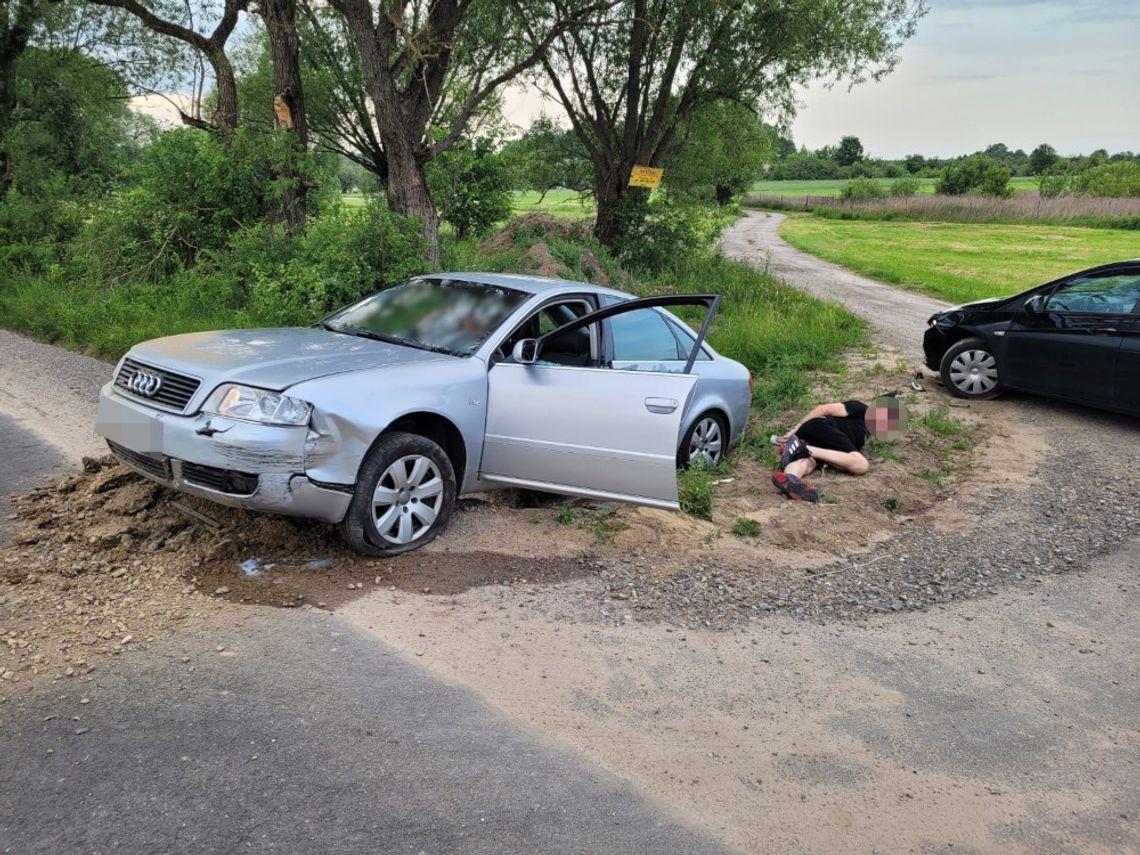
(443, 385)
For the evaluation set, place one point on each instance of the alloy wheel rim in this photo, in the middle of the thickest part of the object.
(974, 372)
(706, 442)
(407, 499)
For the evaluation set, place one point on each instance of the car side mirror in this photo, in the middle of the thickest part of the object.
(525, 352)
(1035, 305)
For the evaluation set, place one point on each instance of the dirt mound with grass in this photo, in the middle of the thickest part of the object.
(536, 235)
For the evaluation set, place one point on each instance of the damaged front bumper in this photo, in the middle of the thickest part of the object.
(235, 463)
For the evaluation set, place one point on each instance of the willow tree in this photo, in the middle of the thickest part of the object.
(429, 65)
(629, 88)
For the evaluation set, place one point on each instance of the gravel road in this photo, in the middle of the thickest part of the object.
(897, 316)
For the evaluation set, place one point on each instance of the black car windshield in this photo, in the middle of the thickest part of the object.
(445, 315)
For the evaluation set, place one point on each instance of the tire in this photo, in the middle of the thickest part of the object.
(969, 369)
(707, 428)
(404, 496)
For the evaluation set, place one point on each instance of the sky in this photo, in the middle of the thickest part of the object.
(1019, 72)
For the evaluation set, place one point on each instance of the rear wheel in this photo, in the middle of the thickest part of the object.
(970, 370)
(404, 496)
(707, 438)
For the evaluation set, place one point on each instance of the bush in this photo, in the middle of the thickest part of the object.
(189, 194)
(995, 183)
(1119, 179)
(657, 235)
(905, 186)
(471, 184)
(862, 190)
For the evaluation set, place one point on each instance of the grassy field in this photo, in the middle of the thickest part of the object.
(832, 186)
(557, 203)
(959, 261)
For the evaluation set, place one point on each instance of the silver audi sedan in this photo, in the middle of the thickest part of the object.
(379, 416)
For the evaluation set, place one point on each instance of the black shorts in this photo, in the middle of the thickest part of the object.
(823, 434)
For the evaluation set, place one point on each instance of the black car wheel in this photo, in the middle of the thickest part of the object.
(404, 496)
(706, 437)
(970, 370)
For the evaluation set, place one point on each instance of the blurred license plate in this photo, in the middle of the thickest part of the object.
(128, 427)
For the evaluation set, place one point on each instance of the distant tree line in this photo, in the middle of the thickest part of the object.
(987, 171)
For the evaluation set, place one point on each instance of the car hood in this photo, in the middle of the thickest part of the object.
(273, 358)
(977, 304)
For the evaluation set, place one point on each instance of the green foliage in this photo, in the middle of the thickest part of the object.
(724, 146)
(471, 186)
(1110, 180)
(341, 257)
(995, 183)
(745, 527)
(547, 157)
(862, 190)
(905, 186)
(70, 131)
(891, 503)
(188, 196)
(850, 151)
(696, 489)
(1042, 159)
(657, 234)
(940, 423)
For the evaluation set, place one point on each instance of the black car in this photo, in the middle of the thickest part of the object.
(1076, 338)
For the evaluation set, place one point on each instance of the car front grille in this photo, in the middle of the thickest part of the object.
(152, 464)
(174, 392)
(222, 480)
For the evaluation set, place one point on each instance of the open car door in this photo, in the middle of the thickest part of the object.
(589, 429)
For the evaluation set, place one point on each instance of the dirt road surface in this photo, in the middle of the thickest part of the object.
(1008, 722)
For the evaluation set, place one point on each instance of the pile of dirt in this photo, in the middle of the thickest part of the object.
(535, 231)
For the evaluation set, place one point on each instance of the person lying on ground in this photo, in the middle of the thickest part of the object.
(834, 435)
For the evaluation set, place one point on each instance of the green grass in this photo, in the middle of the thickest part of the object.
(833, 186)
(557, 203)
(746, 527)
(959, 262)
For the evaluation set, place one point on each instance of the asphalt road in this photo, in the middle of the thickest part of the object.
(304, 735)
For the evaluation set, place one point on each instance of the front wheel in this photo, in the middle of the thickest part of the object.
(706, 438)
(404, 496)
(970, 370)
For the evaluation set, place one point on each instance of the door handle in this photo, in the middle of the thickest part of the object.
(1105, 330)
(661, 405)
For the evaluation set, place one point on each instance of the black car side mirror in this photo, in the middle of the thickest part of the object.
(1035, 305)
(525, 352)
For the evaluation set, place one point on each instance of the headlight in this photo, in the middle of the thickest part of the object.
(257, 405)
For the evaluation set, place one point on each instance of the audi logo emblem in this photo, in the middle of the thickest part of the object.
(144, 383)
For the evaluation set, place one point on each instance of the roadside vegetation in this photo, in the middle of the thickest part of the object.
(955, 261)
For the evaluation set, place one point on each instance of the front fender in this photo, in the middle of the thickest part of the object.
(351, 410)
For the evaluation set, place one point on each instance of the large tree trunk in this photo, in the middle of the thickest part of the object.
(225, 118)
(288, 101)
(408, 195)
(406, 185)
(14, 35)
(609, 192)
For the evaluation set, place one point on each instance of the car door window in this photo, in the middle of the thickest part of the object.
(1108, 294)
(643, 341)
(575, 348)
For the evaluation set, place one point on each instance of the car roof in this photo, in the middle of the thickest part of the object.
(530, 284)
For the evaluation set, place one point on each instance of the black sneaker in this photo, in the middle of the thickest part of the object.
(794, 488)
(794, 449)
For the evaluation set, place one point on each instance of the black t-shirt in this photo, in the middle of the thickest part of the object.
(839, 433)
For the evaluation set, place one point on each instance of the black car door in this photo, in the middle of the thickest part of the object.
(1128, 368)
(1067, 343)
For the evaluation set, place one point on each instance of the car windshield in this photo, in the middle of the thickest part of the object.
(444, 315)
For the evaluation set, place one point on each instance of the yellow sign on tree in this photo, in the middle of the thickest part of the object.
(646, 176)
